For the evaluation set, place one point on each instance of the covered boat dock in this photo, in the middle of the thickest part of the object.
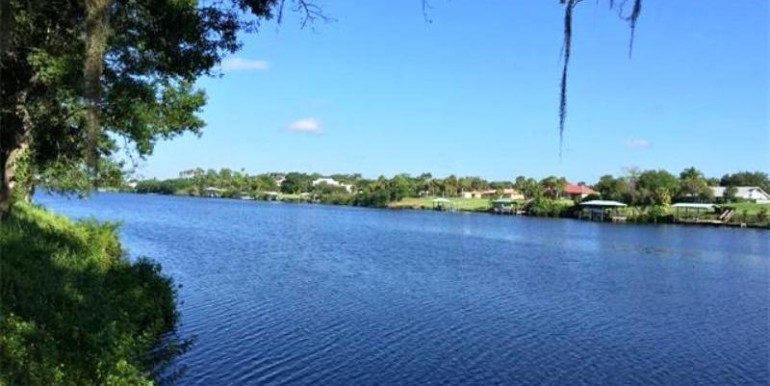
(602, 210)
(443, 204)
(692, 212)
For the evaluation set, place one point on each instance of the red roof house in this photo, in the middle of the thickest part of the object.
(578, 192)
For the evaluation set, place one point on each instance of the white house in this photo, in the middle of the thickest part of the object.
(508, 193)
(332, 182)
(750, 193)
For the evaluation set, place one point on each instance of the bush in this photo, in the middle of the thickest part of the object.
(75, 311)
(337, 199)
(762, 215)
(546, 207)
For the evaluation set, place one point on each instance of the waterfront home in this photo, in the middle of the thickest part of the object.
(748, 193)
(332, 182)
(577, 192)
(508, 193)
(475, 193)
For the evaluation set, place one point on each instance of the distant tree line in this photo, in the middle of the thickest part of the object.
(636, 187)
(660, 187)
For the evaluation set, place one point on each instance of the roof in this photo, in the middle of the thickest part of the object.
(602, 203)
(753, 192)
(693, 205)
(493, 191)
(325, 180)
(213, 189)
(578, 189)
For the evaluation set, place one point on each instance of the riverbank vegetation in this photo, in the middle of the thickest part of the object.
(75, 310)
(649, 194)
(83, 81)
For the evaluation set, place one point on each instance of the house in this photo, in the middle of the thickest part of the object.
(748, 193)
(511, 194)
(577, 192)
(332, 182)
(477, 193)
(508, 193)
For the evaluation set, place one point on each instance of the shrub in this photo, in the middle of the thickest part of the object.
(762, 215)
(546, 207)
(75, 311)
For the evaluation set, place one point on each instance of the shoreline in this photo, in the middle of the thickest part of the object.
(668, 220)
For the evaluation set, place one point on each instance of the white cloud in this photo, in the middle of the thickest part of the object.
(638, 144)
(307, 125)
(238, 64)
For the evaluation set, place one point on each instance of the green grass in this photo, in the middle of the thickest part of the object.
(74, 310)
(750, 207)
(464, 204)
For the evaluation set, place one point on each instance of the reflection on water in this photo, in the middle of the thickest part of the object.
(281, 294)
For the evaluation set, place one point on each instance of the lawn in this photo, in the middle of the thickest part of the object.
(465, 204)
(749, 207)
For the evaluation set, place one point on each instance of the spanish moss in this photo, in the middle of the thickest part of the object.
(97, 33)
(635, 12)
(569, 6)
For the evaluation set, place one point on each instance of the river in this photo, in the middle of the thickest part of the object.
(297, 294)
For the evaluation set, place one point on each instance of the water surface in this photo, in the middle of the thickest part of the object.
(293, 294)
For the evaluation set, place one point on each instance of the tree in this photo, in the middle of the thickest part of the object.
(296, 183)
(691, 173)
(78, 76)
(656, 187)
(528, 187)
(746, 178)
(553, 186)
(611, 188)
(695, 189)
(693, 186)
(730, 194)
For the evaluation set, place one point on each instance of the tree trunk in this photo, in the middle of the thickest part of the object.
(9, 183)
(97, 32)
(15, 139)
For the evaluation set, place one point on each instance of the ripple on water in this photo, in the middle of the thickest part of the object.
(306, 295)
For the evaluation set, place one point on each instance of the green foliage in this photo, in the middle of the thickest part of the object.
(656, 187)
(693, 187)
(611, 188)
(80, 76)
(171, 186)
(746, 178)
(528, 187)
(546, 207)
(75, 311)
(297, 183)
(730, 194)
(553, 186)
(338, 198)
(762, 215)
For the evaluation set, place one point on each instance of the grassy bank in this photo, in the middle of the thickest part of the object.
(749, 207)
(464, 204)
(74, 310)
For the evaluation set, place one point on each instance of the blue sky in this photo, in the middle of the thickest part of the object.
(475, 92)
